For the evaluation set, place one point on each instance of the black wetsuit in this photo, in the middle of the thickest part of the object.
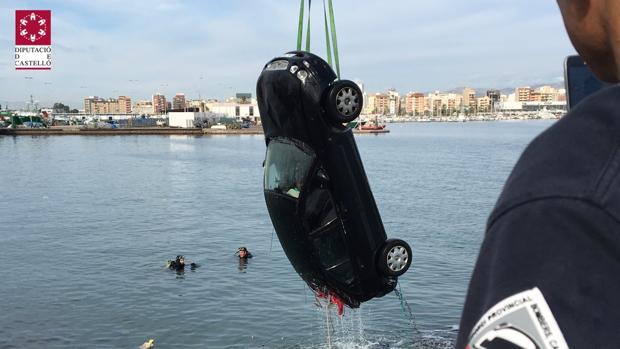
(555, 231)
(176, 265)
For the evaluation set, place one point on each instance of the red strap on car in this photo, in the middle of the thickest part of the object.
(332, 299)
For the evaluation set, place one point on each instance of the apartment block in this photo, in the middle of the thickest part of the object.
(160, 106)
(523, 94)
(178, 101)
(94, 105)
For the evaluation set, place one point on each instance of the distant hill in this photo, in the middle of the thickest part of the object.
(481, 91)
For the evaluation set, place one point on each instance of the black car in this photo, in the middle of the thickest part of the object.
(316, 190)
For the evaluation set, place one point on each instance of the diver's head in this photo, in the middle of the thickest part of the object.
(243, 252)
(180, 260)
(594, 29)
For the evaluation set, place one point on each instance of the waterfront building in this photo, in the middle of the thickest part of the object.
(237, 111)
(494, 95)
(414, 103)
(94, 105)
(530, 106)
(484, 104)
(369, 104)
(393, 102)
(451, 105)
(418, 103)
(382, 103)
(436, 108)
(178, 101)
(549, 94)
(183, 119)
(88, 104)
(442, 104)
(469, 98)
(561, 96)
(159, 104)
(409, 102)
(523, 94)
(197, 104)
(143, 108)
(512, 97)
(124, 105)
(428, 102)
(243, 98)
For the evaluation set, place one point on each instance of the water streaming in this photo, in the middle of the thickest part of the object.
(348, 332)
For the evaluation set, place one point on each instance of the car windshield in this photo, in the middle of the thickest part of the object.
(286, 167)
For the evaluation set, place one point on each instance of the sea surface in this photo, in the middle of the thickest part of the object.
(88, 223)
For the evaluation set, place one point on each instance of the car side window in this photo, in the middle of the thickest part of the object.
(333, 253)
(318, 207)
(286, 167)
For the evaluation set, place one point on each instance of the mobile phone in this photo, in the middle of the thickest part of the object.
(579, 80)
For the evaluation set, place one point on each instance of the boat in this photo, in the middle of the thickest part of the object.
(13, 120)
(545, 114)
(372, 127)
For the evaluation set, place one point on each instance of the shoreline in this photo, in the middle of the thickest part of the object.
(142, 131)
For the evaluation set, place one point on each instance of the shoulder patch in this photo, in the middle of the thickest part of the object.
(521, 321)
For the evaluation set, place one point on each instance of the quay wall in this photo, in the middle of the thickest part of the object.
(73, 131)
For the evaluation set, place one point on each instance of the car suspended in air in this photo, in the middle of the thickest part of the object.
(315, 186)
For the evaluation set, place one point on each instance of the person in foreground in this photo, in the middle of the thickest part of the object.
(547, 275)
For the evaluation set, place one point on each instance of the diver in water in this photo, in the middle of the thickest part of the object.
(179, 264)
(243, 253)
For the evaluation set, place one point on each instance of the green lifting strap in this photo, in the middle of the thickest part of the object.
(300, 30)
(335, 43)
(331, 28)
(308, 28)
(329, 46)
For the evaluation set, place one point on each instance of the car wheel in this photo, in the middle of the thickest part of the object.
(395, 257)
(344, 101)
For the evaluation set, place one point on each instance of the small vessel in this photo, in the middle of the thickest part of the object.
(372, 127)
(545, 114)
(13, 120)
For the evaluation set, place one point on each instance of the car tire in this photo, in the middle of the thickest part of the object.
(394, 257)
(344, 101)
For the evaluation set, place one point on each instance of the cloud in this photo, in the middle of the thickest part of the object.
(215, 48)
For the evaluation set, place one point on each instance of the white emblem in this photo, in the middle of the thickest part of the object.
(522, 321)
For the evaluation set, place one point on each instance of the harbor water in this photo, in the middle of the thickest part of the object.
(88, 223)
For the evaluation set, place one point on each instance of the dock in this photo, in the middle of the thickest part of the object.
(358, 131)
(161, 131)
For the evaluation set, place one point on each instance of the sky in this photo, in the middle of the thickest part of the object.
(215, 48)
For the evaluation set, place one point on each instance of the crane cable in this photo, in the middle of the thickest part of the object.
(332, 45)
